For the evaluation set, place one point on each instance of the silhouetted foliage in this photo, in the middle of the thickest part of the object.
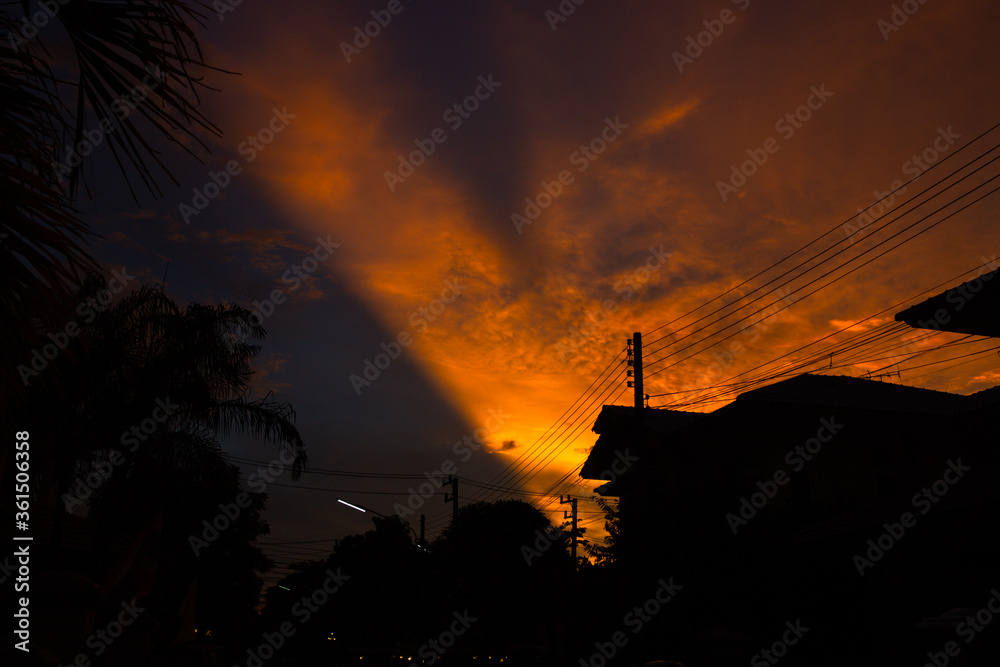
(391, 589)
(126, 60)
(401, 596)
(143, 352)
(606, 552)
(187, 477)
(147, 387)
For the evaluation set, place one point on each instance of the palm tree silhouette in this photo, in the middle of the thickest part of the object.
(126, 61)
(144, 353)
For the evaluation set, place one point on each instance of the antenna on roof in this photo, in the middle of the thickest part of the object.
(880, 376)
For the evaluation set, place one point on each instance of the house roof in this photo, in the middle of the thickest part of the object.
(614, 426)
(660, 420)
(862, 393)
(972, 308)
(807, 391)
(985, 398)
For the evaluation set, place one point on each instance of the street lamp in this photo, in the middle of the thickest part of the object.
(357, 507)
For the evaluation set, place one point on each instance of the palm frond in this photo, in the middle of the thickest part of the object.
(138, 58)
(274, 422)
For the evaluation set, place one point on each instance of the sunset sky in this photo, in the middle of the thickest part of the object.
(624, 133)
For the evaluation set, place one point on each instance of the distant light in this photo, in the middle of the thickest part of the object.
(360, 509)
(285, 587)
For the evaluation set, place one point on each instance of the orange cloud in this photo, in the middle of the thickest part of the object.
(498, 343)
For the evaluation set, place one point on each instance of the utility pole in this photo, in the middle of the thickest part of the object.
(635, 372)
(574, 531)
(422, 541)
(453, 497)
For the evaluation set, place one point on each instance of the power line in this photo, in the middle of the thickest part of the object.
(556, 438)
(830, 231)
(828, 350)
(978, 199)
(569, 437)
(842, 265)
(538, 447)
(466, 480)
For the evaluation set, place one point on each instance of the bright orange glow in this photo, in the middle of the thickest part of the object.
(498, 343)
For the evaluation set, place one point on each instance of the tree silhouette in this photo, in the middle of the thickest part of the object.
(142, 353)
(146, 388)
(400, 597)
(511, 568)
(606, 552)
(186, 475)
(394, 594)
(126, 60)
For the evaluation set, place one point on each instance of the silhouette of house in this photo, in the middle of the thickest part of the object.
(767, 501)
(859, 505)
(617, 439)
(972, 307)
